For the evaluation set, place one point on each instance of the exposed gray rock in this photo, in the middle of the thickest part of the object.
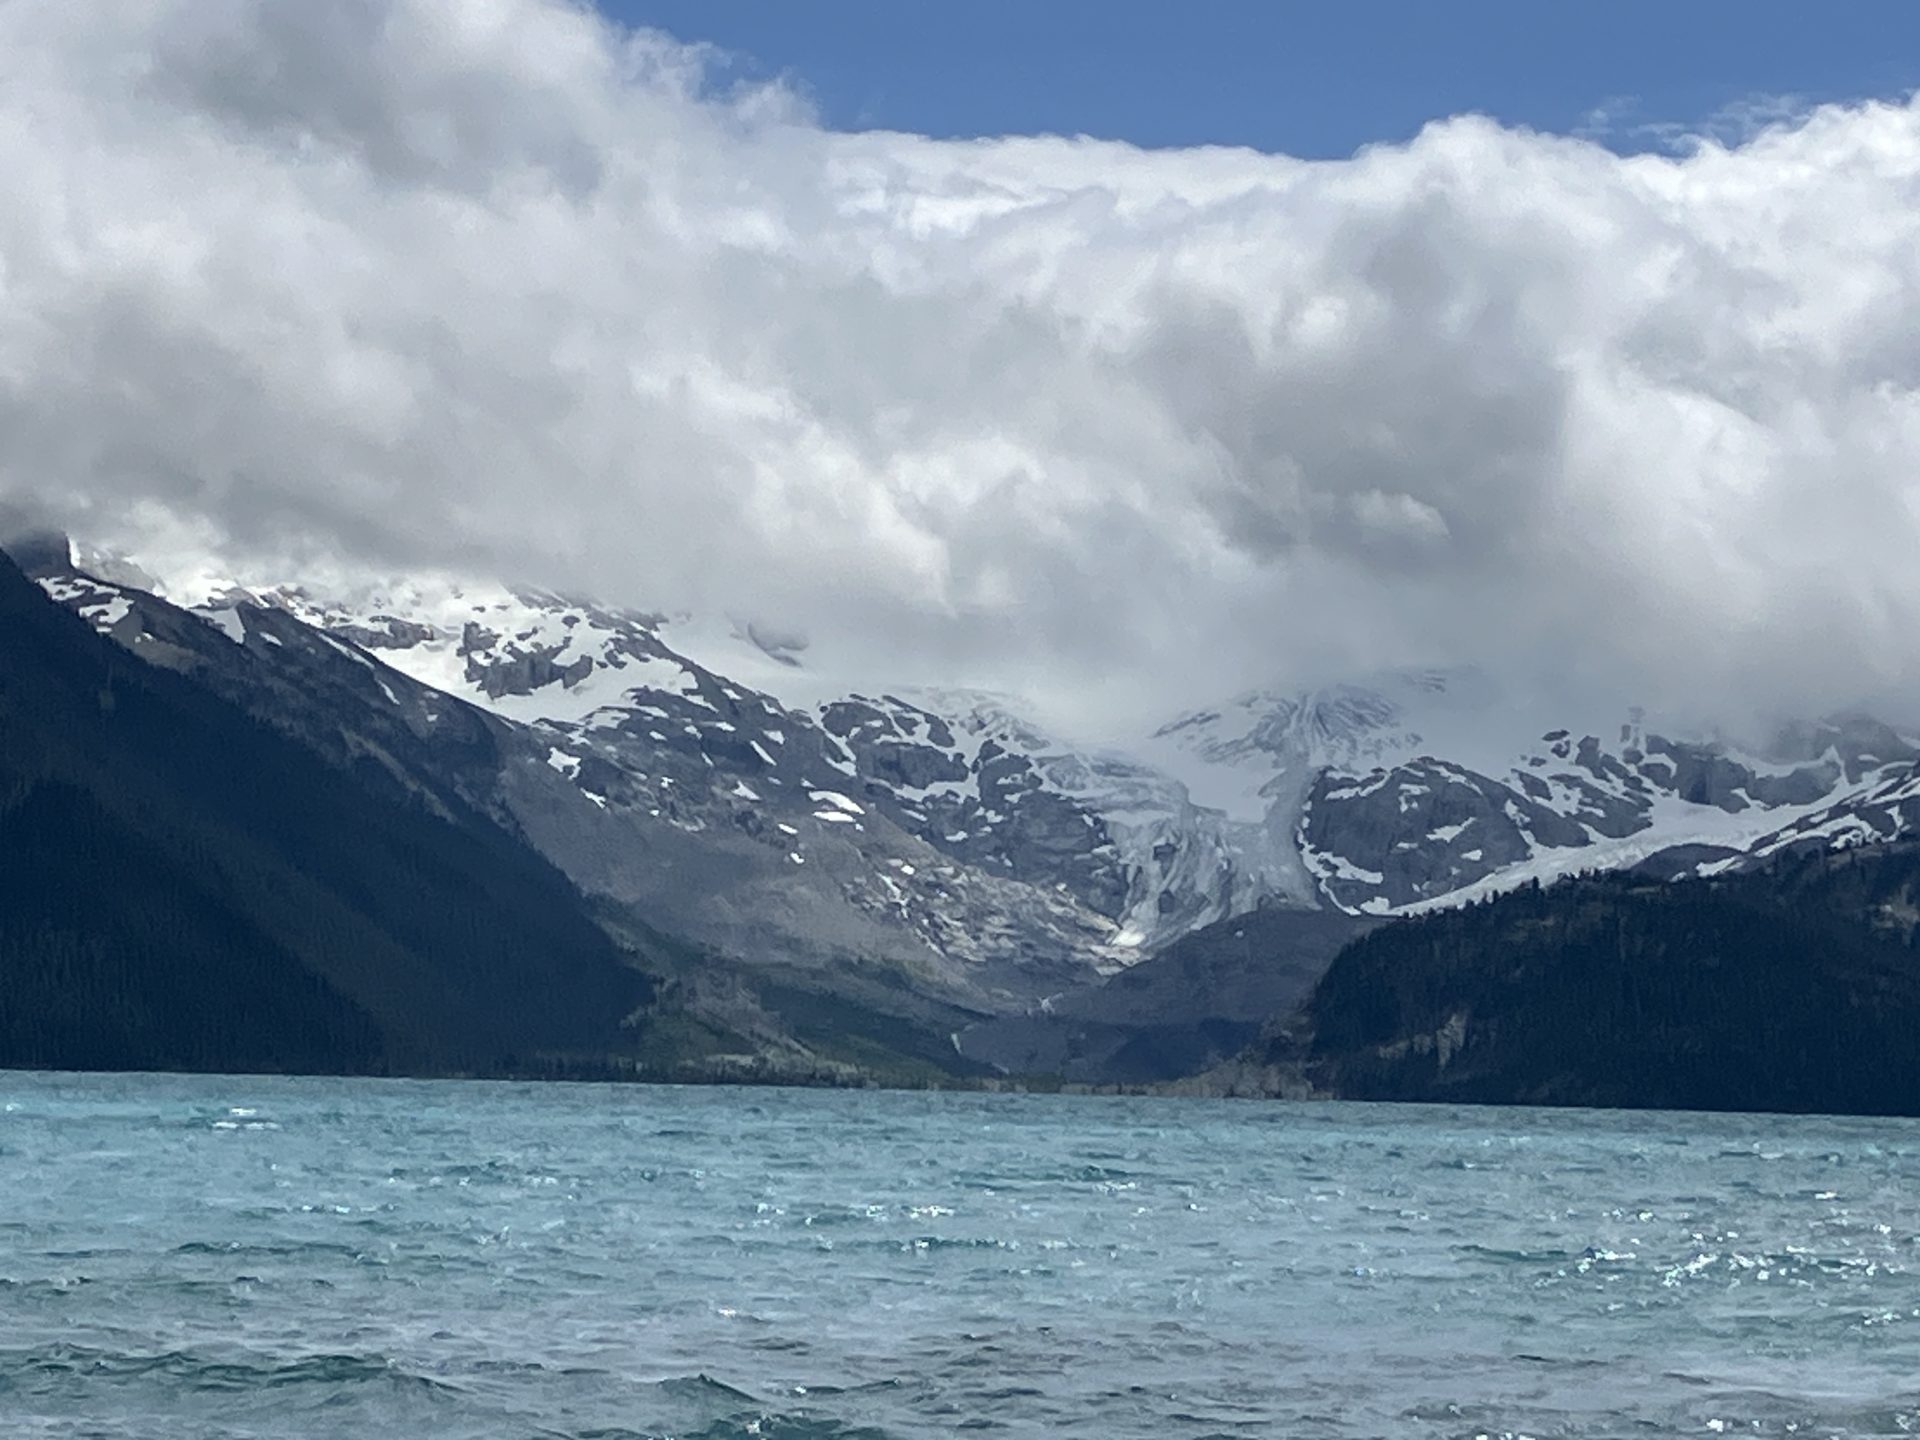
(945, 834)
(1421, 830)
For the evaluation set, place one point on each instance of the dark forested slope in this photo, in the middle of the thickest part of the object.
(1794, 988)
(183, 887)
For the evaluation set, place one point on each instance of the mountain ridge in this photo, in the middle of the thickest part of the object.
(1299, 798)
(186, 885)
(954, 878)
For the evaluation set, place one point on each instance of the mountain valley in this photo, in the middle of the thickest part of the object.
(926, 884)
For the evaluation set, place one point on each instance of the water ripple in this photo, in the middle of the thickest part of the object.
(475, 1260)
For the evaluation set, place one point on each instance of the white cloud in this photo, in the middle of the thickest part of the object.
(494, 286)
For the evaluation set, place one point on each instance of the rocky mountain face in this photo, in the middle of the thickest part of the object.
(940, 842)
(185, 887)
(1428, 830)
(771, 1006)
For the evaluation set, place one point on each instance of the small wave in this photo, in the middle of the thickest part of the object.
(699, 1407)
(1515, 1256)
(1562, 1362)
(921, 1244)
(872, 1387)
(701, 1388)
(316, 1249)
(24, 1290)
(199, 1372)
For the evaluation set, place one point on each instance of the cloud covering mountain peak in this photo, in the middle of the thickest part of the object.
(503, 287)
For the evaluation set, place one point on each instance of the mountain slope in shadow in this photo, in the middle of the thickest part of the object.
(184, 887)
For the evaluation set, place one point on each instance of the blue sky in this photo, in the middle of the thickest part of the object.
(1316, 80)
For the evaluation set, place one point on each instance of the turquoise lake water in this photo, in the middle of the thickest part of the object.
(244, 1257)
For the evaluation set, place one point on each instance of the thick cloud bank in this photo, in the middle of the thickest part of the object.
(496, 286)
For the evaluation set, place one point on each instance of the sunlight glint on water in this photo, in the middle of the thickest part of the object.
(263, 1257)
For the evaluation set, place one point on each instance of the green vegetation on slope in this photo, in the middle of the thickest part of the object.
(1790, 989)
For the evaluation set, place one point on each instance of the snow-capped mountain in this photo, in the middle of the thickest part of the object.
(1429, 831)
(696, 805)
(1889, 809)
(1426, 789)
(1085, 853)
(707, 776)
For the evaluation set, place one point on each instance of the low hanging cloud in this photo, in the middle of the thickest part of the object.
(499, 287)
